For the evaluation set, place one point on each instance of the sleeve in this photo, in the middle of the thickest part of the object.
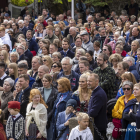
(21, 124)
(128, 117)
(59, 126)
(95, 106)
(115, 111)
(106, 41)
(71, 135)
(35, 47)
(90, 136)
(8, 129)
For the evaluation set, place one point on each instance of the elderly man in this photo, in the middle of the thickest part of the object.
(22, 27)
(68, 73)
(72, 35)
(41, 71)
(87, 44)
(4, 38)
(53, 48)
(78, 44)
(132, 68)
(89, 19)
(135, 35)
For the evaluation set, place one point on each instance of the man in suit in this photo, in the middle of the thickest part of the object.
(97, 105)
(22, 27)
(23, 96)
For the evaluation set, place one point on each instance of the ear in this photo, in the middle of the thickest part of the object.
(78, 122)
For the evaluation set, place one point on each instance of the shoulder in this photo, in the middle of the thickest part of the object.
(75, 74)
(97, 69)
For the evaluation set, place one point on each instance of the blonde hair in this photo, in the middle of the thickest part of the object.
(6, 58)
(110, 25)
(116, 57)
(49, 59)
(86, 25)
(124, 29)
(137, 85)
(82, 116)
(34, 92)
(15, 68)
(137, 43)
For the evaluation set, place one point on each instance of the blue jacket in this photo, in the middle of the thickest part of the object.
(32, 80)
(120, 93)
(24, 30)
(29, 55)
(68, 54)
(133, 70)
(32, 45)
(97, 108)
(74, 79)
(60, 124)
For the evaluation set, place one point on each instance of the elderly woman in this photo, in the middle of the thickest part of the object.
(64, 89)
(56, 57)
(130, 114)
(7, 95)
(83, 94)
(47, 60)
(127, 76)
(14, 57)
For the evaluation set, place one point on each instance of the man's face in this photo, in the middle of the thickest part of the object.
(35, 64)
(101, 24)
(28, 35)
(20, 50)
(89, 19)
(44, 13)
(84, 38)
(83, 68)
(61, 18)
(41, 72)
(65, 45)
(20, 25)
(118, 50)
(72, 23)
(102, 33)
(135, 32)
(14, 26)
(120, 70)
(22, 83)
(91, 82)
(100, 61)
(2, 33)
(26, 23)
(138, 55)
(52, 49)
(78, 42)
(71, 32)
(66, 66)
(22, 71)
(105, 50)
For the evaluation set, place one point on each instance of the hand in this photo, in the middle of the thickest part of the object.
(130, 111)
(11, 139)
(27, 134)
(66, 123)
(39, 135)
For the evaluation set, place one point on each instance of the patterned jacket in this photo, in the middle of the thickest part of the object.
(15, 128)
(107, 79)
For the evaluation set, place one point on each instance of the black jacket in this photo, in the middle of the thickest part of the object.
(37, 83)
(50, 102)
(132, 38)
(69, 54)
(29, 55)
(24, 100)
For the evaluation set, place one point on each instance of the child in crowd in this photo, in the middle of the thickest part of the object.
(36, 117)
(62, 124)
(15, 124)
(2, 132)
(82, 131)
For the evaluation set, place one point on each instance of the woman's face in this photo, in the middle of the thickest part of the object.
(46, 83)
(89, 57)
(60, 88)
(127, 90)
(107, 28)
(96, 48)
(83, 83)
(11, 71)
(6, 87)
(36, 99)
(127, 25)
(55, 58)
(124, 79)
(44, 51)
(93, 25)
(56, 32)
(134, 46)
(41, 44)
(136, 91)
(78, 54)
(45, 62)
(55, 68)
(18, 88)
(2, 56)
(119, 22)
(114, 62)
(13, 58)
(4, 48)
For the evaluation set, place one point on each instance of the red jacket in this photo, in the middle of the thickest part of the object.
(123, 53)
(45, 23)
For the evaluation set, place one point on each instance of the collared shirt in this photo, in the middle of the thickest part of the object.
(66, 115)
(16, 116)
(3, 76)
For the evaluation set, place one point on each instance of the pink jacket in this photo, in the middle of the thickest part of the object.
(111, 43)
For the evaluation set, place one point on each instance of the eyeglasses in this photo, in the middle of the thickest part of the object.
(54, 66)
(104, 49)
(126, 88)
(44, 60)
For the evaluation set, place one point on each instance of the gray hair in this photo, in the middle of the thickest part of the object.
(67, 58)
(58, 54)
(10, 81)
(117, 33)
(100, 29)
(82, 51)
(39, 59)
(127, 83)
(23, 61)
(21, 21)
(129, 58)
(45, 68)
(14, 53)
(73, 28)
(23, 47)
(135, 23)
(121, 38)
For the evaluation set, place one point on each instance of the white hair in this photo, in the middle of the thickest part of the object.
(14, 53)
(23, 47)
(117, 33)
(5, 20)
(73, 28)
(90, 16)
(129, 58)
(23, 61)
(121, 38)
(10, 81)
(21, 21)
(67, 58)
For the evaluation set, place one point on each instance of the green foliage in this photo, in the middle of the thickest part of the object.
(98, 2)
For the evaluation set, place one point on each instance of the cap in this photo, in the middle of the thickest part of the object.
(14, 105)
(84, 33)
(71, 102)
(6, 15)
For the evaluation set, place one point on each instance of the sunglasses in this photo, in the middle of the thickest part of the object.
(54, 66)
(104, 49)
(126, 88)
(44, 60)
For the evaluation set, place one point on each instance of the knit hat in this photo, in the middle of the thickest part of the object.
(71, 102)
(14, 105)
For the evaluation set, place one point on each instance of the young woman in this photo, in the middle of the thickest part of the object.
(58, 43)
(4, 57)
(58, 33)
(97, 50)
(36, 117)
(13, 71)
(45, 49)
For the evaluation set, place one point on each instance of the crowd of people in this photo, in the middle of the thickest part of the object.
(69, 79)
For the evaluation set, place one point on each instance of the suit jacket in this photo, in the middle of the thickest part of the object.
(97, 108)
(29, 55)
(24, 30)
(23, 98)
(69, 54)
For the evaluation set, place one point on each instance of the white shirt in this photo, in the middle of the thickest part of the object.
(4, 75)
(96, 53)
(16, 116)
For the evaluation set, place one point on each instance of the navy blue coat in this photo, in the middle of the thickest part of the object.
(29, 55)
(138, 123)
(69, 54)
(97, 108)
(33, 46)
(24, 30)
(74, 80)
